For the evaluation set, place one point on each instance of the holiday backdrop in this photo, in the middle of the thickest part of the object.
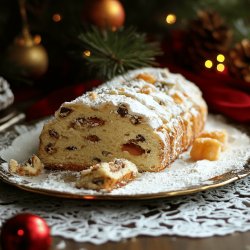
(52, 51)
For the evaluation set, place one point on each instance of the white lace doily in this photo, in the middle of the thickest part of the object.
(216, 212)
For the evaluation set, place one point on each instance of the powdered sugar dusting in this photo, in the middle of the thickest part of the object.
(170, 81)
(134, 107)
(182, 174)
(155, 102)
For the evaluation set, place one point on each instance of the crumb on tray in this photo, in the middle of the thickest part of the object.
(32, 167)
(108, 175)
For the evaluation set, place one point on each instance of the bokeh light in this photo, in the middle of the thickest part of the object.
(208, 64)
(86, 53)
(57, 18)
(37, 39)
(220, 58)
(170, 18)
(220, 67)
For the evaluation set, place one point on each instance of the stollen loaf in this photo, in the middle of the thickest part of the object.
(147, 116)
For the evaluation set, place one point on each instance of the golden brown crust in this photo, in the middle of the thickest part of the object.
(205, 149)
(64, 146)
(185, 131)
(188, 131)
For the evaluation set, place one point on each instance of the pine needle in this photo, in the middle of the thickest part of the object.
(113, 53)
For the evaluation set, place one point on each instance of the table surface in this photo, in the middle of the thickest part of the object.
(236, 241)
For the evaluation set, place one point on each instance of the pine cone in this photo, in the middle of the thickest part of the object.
(207, 37)
(239, 60)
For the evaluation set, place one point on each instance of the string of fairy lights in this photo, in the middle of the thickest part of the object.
(57, 18)
(219, 63)
(170, 19)
(208, 64)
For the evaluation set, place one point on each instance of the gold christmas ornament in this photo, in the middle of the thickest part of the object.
(26, 53)
(106, 13)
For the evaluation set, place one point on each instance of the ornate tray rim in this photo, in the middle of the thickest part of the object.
(216, 182)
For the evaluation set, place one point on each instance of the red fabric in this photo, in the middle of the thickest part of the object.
(49, 104)
(220, 93)
(217, 89)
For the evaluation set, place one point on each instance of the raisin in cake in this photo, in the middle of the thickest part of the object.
(108, 175)
(148, 116)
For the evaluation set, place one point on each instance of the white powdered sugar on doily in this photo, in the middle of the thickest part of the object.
(217, 211)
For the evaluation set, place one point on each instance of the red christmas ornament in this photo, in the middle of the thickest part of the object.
(26, 232)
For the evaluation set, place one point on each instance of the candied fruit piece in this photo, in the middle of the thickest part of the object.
(220, 135)
(177, 98)
(205, 149)
(133, 149)
(146, 78)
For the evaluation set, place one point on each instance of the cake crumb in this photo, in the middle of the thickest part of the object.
(219, 135)
(32, 167)
(107, 175)
(205, 149)
(209, 144)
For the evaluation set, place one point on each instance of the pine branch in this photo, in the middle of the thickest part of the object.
(113, 53)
